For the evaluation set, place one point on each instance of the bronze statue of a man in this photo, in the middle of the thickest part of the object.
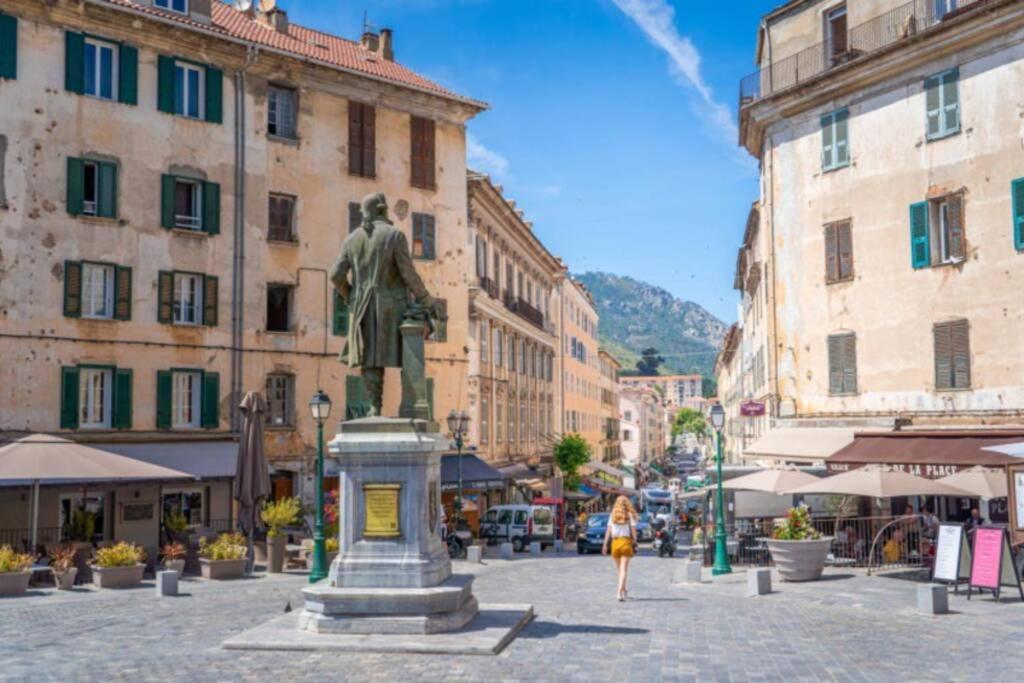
(384, 283)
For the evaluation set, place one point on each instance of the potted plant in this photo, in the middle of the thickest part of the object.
(118, 566)
(81, 529)
(15, 571)
(224, 558)
(277, 515)
(174, 557)
(63, 564)
(797, 548)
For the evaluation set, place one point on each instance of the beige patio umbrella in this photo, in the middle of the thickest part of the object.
(879, 482)
(982, 482)
(42, 458)
(771, 480)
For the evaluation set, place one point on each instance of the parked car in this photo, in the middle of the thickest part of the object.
(519, 524)
(643, 528)
(591, 539)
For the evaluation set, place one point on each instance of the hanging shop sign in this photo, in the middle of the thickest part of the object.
(751, 409)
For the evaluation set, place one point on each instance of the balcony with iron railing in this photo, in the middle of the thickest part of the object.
(527, 312)
(902, 23)
(490, 286)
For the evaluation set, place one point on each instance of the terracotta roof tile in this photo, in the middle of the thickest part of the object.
(304, 42)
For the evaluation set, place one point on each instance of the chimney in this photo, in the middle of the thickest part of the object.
(370, 41)
(276, 18)
(387, 50)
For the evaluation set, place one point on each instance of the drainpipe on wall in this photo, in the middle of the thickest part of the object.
(238, 262)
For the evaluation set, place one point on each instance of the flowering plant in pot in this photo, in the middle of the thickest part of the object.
(62, 562)
(797, 548)
(15, 571)
(223, 558)
(277, 515)
(174, 557)
(119, 566)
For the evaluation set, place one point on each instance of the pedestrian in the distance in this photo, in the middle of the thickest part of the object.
(621, 538)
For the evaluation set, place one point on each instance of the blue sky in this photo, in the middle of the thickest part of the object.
(612, 122)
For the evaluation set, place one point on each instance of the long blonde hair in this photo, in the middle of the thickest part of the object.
(623, 511)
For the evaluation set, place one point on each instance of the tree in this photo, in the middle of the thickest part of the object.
(690, 421)
(649, 362)
(709, 387)
(571, 453)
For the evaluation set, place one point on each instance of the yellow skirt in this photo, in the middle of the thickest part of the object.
(622, 547)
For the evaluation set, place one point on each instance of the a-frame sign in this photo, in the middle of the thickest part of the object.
(992, 564)
(952, 556)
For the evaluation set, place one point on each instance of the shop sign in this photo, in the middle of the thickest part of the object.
(751, 409)
(917, 469)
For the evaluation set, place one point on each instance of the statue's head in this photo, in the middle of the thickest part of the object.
(375, 206)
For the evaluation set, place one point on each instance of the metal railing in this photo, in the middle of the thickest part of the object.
(489, 286)
(898, 24)
(20, 539)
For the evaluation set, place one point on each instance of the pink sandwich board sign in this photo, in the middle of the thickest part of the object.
(992, 564)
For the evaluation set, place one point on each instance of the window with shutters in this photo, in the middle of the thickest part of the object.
(835, 140)
(423, 236)
(362, 140)
(279, 305)
(184, 298)
(281, 109)
(942, 103)
(97, 291)
(188, 299)
(280, 400)
(100, 69)
(499, 347)
(179, 6)
(838, 252)
(842, 364)
(481, 257)
(281, 218)
(952, 355)
(188, 204)
(836, 43)
(91, 188)
(422, 154)
(186, 399)
(511, 420)
(485, 334)
(499, 419)
(485, 421)
(95, 397)
(189, 90)
(1017, 194)
(946, 221)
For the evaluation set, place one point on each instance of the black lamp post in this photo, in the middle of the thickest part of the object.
(320, 408)
(458, 427)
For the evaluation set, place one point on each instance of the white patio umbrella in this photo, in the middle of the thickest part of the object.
(770, 480)
(1015, 450)
(878, 482)
(982, 482)
(42, 458)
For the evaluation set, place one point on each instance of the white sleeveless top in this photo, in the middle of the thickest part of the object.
(620, 530)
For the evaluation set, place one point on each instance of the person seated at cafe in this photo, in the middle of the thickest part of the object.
(974, 521)
(893, 549)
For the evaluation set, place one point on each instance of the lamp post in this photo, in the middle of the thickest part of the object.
(721, 566)
(320, 408)
(458, 427)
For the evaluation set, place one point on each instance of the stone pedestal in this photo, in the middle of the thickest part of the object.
(166, 583)
(759, 582)
(932, 598)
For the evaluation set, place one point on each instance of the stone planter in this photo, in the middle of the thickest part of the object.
(177, 566)
(800, 560)
(14, 583)
(118, 577)
(222, 569)
(66, 579)
(276, 553)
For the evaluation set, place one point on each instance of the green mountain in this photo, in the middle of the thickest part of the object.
(636, 315)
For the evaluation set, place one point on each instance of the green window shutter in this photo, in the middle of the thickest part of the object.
(951, 102)
(8, 46)
(920, 246)
(340, 316)
(167, 183)
(827, 142)
(74, 62)
(842, 137)
(108, 190)
(211, 400)
(165, 85)
(128, 75)
(69, 398)
(76, 186)
(210, 296)
(164, 391)
(357, 401)
(165, 297)
(1017, 190)
(122, 413)
(211, 208)
(72, 289)
(122, 293)
(214, 95)
(933, 107)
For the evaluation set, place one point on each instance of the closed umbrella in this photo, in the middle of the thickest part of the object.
(771, 480)
(982, 482)
(877, 482)
(252, 474)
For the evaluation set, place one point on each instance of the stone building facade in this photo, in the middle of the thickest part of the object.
(580, 366)
(611, 448)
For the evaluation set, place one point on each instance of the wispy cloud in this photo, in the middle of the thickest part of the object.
(656, 18)
(481, 158)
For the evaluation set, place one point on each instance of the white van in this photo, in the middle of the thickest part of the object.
(519, 524)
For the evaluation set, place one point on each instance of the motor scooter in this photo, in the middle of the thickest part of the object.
(664, 538)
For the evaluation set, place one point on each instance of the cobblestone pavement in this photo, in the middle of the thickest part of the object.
(850, 627)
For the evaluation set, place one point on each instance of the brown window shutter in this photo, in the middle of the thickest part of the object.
(943, 355)
(835, 370)
(961, 356)
(831, 254)
(73, 289)
(955, 222)
(165, 297)
(428, 155)
(416, 152)
(849, 361)
(210, 295)
(122, 293)
(845, 249)
(369, 137)
(355, 138)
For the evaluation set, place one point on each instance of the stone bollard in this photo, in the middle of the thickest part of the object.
(535, 547)
(166, 583)
(559, 545)
(506, 551)
(759, 582)
(474, 553)
(693, 572)
(932, 598)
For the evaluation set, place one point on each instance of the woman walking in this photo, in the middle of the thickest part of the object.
(621, 537)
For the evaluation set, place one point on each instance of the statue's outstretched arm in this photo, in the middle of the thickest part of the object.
(339, 275)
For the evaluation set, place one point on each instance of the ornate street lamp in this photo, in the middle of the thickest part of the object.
(717, 418)
(458, 427)
(320, 409)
